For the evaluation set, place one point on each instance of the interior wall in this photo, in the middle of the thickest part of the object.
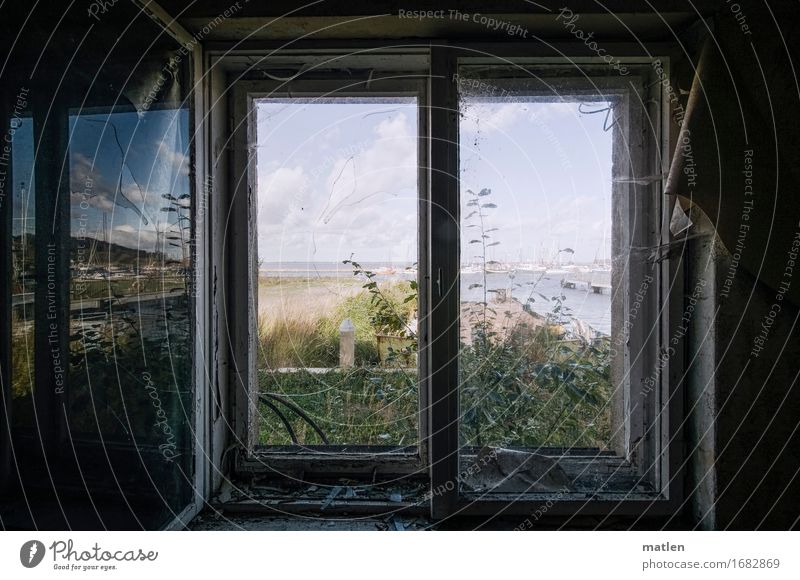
(740, 428)
(742, 383)
(757, 404)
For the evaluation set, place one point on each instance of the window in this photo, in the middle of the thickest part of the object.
(335, 350)
(337, 300)
(130, 281)
(536, 272)
(102, 397)
(559, 262)
(23, 277)
(522, 247)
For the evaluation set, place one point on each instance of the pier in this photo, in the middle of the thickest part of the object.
(598, 282)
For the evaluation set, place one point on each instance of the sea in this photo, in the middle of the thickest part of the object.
(544, 289)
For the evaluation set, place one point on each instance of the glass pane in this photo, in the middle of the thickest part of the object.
(536, 316)
(102, 232)
(23, 276)
(337, 253)
(130, 312)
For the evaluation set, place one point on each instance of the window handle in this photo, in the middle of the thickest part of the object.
(439, 282)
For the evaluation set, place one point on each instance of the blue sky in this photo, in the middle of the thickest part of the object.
(152, 158)
(336, 179)
(549, 169)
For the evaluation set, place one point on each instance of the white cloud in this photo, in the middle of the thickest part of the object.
(144, 239)
(282, 191)
(361, 201)
(386, 168)
(484, 118)
(173, 160)
(91, 188)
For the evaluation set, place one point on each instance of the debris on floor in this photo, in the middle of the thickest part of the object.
(508, 470)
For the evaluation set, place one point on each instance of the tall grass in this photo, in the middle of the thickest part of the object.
(363, 406)
(293, 339)
(521, 382)
(298, 326)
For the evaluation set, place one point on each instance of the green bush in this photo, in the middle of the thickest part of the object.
(533, 388)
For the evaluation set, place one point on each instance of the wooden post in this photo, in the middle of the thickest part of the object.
(347, 344)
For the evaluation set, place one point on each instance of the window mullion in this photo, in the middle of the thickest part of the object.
(51, 126)
(443, 289)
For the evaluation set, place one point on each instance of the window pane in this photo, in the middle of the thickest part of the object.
(129, 262)
(536, 294)
(103, 413)
(337, 254)
(130, 315)
(23, 277)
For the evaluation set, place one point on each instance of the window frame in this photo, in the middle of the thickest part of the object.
(51, 111)
(441, 437)
(332, 460)
(661, 445)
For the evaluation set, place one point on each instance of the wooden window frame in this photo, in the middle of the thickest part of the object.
(353, 459)
(652, 420)
(439, 244)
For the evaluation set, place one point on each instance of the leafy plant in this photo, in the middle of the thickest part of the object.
(481, 329)
(525, 384)
(391, 314)
(387, 316)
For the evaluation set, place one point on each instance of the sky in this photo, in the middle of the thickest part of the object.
(336, 180)
(121, 166)
(339, 178)
(24, 208)
(548, 167)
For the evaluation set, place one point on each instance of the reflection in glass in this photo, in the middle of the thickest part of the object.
(101, 258)
(130, 311)
(337, 253)
(23, 275)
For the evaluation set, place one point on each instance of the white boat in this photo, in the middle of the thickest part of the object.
(528, 267)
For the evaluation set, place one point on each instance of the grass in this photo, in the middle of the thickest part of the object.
(525, 386)
(364, 406)
(298, 328)
(299, 319)
(531, 388)
(558, 402)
